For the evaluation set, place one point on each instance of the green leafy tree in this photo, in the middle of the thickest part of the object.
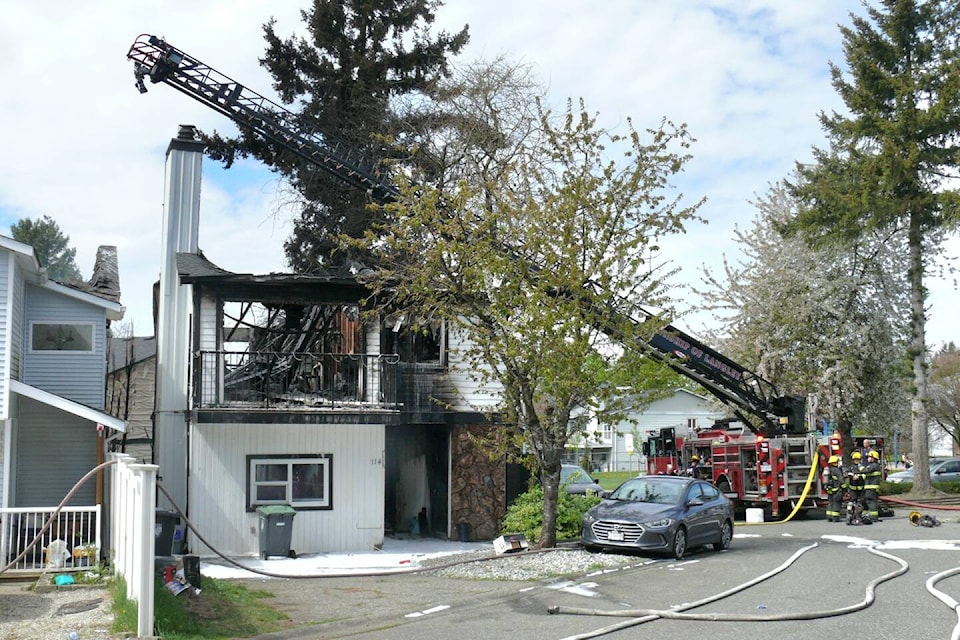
(353, 81)
(51, 246)
(542, 272)
(826, 321)
(891, 157)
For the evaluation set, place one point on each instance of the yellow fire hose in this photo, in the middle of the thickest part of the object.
(803, 496)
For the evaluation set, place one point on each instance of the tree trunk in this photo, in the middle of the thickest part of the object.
(918, 354)
(551, 488)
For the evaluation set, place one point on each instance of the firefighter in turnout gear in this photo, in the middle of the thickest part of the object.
(695, 470)
(855, 482)
(872, 475)
(835, 484)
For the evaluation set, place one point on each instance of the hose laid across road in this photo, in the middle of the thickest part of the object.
(920, 505)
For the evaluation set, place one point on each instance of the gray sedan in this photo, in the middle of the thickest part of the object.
(577, 481)
(662, 514)
(940, 471)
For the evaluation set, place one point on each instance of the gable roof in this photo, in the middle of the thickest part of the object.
(103, 289)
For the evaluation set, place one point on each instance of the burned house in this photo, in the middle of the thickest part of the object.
(364, 428)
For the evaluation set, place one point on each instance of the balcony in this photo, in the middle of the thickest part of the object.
(300, 380)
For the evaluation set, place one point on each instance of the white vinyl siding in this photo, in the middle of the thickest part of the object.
(7, 267)
(461, 387)
(218, 485)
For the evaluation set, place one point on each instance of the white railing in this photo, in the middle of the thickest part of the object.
(71, 542)
(133, 511)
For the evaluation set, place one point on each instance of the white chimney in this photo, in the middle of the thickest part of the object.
(181, 218)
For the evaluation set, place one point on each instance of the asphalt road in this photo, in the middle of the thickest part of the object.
(833, 574)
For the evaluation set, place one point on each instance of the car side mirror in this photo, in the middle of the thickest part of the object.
(694, 502)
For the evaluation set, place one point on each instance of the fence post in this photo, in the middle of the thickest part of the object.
(144, 544)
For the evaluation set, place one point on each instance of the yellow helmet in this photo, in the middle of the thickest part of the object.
(695, 458)
(833, 460)
(873, 454)
(856, 455)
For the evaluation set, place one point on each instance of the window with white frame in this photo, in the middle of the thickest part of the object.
(60, 336)
(301, 481)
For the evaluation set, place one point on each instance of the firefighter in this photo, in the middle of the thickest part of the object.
(695, 470)
(855, 483)
(835, 484)
(872, 475)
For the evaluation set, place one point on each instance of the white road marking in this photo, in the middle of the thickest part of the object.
(427, 612)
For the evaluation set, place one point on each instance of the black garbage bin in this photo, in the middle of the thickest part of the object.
(165, 523)
(276, 529)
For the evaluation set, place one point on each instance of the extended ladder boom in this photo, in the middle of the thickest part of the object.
(748, 394)
(751, 397)
(161, 62)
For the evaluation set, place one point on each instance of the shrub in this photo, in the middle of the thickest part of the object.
(525, 515)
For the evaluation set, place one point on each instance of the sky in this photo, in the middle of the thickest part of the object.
(748, 78)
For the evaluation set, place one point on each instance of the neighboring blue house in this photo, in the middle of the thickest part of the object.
(52, 376)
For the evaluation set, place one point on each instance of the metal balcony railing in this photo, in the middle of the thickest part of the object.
(266, 379)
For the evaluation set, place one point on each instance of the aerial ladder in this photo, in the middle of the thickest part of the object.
(751, 398)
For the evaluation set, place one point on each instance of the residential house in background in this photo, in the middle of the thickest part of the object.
(53, 340)
(618, 447)
(131, 379)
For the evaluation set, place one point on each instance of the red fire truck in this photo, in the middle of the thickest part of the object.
(753, 470)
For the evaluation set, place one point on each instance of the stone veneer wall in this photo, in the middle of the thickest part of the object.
(478, 485)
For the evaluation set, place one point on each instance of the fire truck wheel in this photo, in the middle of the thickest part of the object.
(726, 535)
(679, 543)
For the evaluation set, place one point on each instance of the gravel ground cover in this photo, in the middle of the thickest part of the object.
(31, 615)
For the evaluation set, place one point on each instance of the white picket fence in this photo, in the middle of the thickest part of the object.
(46, 538)
(132, 534)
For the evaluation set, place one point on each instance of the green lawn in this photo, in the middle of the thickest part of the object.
(612, 479)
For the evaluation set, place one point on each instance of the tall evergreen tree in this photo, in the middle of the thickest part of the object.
(353, 81)
(891, 158)
(51, 246)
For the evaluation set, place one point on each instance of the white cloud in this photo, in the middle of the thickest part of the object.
(747, 76)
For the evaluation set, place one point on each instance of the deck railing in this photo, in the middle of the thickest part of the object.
(70, 543)
(307, 379)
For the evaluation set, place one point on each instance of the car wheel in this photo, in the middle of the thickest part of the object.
(726, 535)
(679, 546)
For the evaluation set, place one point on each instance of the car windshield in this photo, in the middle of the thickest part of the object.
(649, 490)
(574, 474)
